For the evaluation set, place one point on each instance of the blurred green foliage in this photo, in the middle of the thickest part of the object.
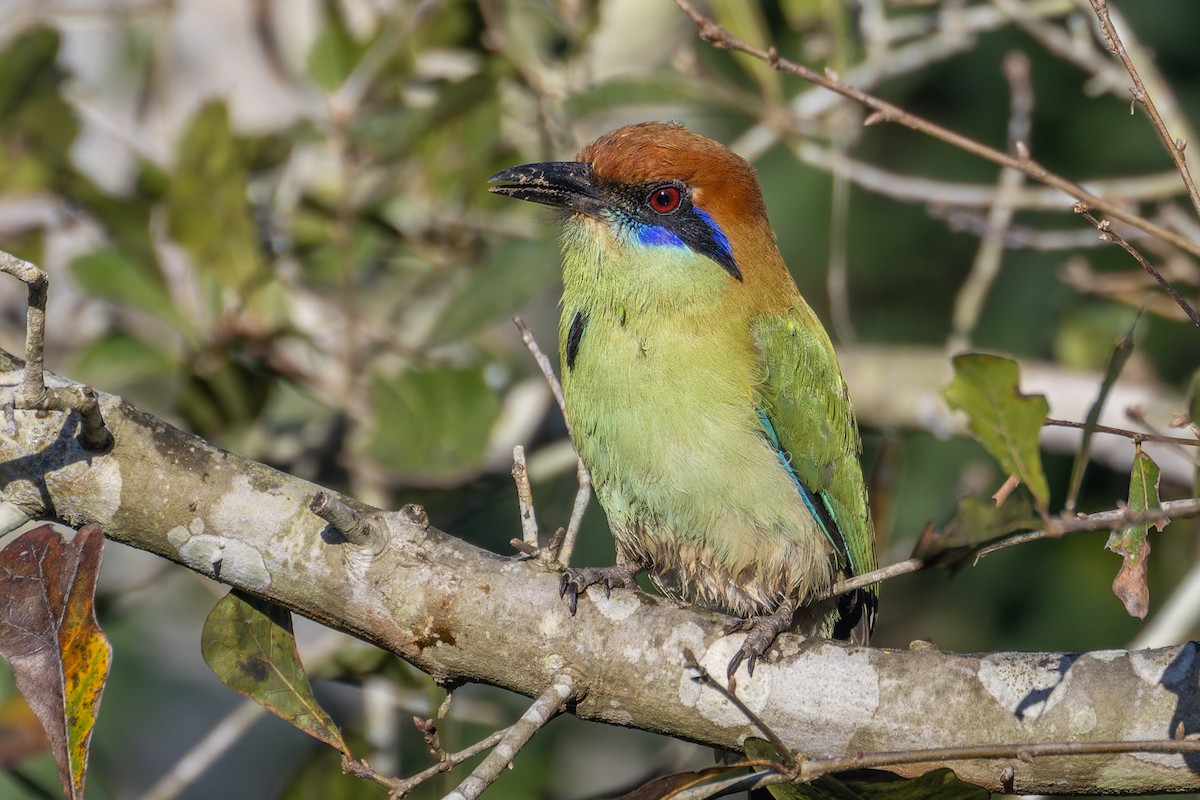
(330, 291)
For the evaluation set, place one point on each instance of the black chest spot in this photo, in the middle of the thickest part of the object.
(574, 337)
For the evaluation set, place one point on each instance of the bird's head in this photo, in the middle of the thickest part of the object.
(659, 191)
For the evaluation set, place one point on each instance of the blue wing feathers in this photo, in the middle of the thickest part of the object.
(814, 502)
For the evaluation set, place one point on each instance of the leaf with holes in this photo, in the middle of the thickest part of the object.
(48, 633)
(248, 643)
(1005, 422)
(1132, 543)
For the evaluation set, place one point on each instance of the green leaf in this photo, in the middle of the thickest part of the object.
(1005, 422)
(664, 90)
(748, 21)
(335, 51)
(1132, 543)
(39, 125)
(248, 644)
(27, 65)
(120, 358)
(513, 272)
(978, 520)
(109, 273)
(761, 750)
(207, 205)
(432, 425)
(1116, 362)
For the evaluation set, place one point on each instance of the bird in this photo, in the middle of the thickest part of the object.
(702, 392)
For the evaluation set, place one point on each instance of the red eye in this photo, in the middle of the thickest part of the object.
(665, 199)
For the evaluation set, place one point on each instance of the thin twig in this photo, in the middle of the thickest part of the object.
(1103, 520)
(1138, 415)
(520, 473)
(219, 739)
(1100, 521)
(888, 112)
(1175, 147)
(1136, 436)
(705, 679)
(1020, 237)
(806, 771)
(448, 761)
(811, 770)
(561, 691)
(874, 576)
(1057, 41)
(968, 305)
(837, 277)
(584, 494)
(1107, 234)
(1156, 187)
(545, 366)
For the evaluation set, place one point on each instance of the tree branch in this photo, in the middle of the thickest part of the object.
(434, 600)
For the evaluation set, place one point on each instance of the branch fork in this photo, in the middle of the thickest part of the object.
(33, 394)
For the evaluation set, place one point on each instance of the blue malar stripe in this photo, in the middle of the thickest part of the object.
(657, 235)
(719, 237)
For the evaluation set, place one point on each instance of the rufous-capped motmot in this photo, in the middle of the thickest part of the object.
(704, 394)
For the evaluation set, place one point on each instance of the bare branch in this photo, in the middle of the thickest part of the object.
(1107, 234)
(968, 304)
(813, 769)
(1175, 147)
(888, 112)
(356, 528)
(584, 494)
(551, 702)
(33, 394)
(520, 473)
(1136, 436)
(1100, 521)
(402, 788)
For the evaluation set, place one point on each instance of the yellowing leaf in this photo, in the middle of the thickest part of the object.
(48, 633)
(248, 644)
(1132, 543)
(1005, 422)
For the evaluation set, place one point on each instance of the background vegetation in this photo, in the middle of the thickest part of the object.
(269, 224)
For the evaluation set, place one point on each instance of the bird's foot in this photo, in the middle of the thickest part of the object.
(576, 580)
(761, 633)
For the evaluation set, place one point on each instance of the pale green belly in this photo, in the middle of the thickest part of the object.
(667, 427)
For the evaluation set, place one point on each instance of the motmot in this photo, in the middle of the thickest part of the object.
(703, 393)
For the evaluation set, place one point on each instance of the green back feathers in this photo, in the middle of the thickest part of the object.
(810, 420)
